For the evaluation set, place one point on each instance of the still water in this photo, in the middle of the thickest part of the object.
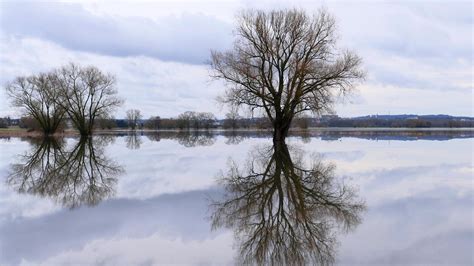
(378, 198)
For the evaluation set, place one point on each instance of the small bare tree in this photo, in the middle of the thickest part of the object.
(206, 120)
(285, 63)
(232, 120)
(133, 117)
(86, 94)
(195, 120)
(153, 122)
(37, 96)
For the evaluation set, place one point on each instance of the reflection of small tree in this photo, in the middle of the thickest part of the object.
(283, 212)
(74, 177)
(133, 118)
(39, 164)
(195, 139)
(185, 138)
(134, 141)
(155, 136)
(305, 137)
(233, 138)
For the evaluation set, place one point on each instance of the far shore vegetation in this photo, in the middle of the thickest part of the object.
(194, 121)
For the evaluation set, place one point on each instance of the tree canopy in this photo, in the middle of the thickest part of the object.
(87, 94)
(285, 63)
(37, 96)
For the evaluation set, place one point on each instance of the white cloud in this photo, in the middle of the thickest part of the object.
(150, 250)
(183, 38)
(390, 99)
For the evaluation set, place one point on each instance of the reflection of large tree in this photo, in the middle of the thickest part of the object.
(76, 176)
(284, 211)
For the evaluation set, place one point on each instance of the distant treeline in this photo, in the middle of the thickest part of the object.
(397, 121)
(204, 121)
(194, 120)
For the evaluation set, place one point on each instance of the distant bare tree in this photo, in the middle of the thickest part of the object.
(195, 120)
(3, 122)
(185, 119)
(105, 123)
(285, 63)
(133, 117)
(205, 120)
(29, 123)
(133, 140)
(232, 120)
(37, 95)
(153, 122)
(86, 94)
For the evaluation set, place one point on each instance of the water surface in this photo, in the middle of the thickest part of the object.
(344, 197)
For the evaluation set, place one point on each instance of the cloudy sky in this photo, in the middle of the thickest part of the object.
(418, 55)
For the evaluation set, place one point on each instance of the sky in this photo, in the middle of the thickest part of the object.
(418, 54)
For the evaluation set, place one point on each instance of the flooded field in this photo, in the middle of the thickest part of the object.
(348, 197)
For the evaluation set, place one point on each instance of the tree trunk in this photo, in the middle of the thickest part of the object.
(84, 131)
(281, 127)
(47, 131)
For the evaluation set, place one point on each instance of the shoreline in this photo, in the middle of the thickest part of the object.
(16, 132)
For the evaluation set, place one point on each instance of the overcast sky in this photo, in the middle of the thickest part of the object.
(418, 55)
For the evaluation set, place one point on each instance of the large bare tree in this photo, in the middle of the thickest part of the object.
(285, 63)
(37, 96)
(86, 94)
